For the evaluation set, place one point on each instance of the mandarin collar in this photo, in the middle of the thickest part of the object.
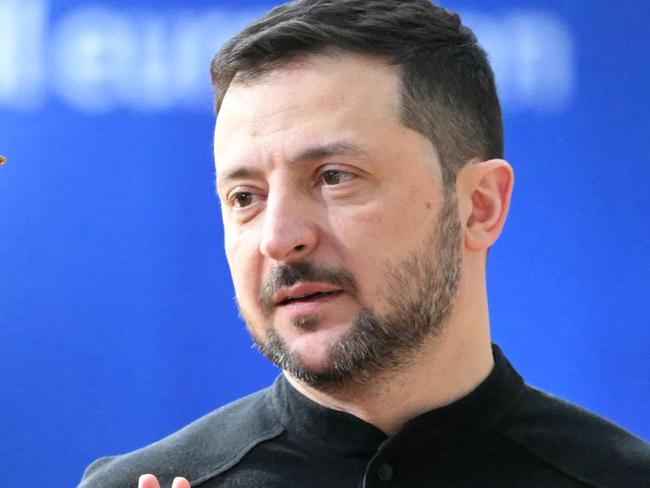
(490, 403)
(342, 433)
(314, 425)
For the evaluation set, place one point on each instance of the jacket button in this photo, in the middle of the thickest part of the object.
(385, 472)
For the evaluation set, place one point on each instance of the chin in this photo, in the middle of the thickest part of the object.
(307, 356)
(313, 362)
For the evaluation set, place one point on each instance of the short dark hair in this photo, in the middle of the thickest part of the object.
(448, 89)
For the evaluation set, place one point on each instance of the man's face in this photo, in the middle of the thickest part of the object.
(344, 250)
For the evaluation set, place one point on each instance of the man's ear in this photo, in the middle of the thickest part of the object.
(484, 190)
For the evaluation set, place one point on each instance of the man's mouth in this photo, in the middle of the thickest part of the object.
(305, 292)
(309, 297)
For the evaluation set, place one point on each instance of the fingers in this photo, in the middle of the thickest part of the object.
(180, 483)
(148, 481)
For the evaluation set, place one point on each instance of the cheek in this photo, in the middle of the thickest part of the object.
(382, 229)
(373, 238)
(245, 265)
(367, 241)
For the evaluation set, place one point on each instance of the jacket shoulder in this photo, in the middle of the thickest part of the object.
(199, 451)
(579, 443)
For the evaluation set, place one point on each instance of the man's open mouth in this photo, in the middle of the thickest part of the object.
(309, 297)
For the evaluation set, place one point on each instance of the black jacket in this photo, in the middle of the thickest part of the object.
(503, 434)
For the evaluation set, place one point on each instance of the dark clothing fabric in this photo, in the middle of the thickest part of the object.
(503, 434)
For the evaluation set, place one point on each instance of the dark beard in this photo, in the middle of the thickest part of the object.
(421, 293)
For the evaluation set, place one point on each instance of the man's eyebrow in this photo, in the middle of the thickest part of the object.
(238, 173)
(309, 154)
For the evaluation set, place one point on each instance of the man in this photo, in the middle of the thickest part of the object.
(358, 149)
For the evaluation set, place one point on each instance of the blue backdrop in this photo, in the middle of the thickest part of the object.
(117, 318)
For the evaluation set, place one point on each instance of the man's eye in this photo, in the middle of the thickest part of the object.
(335, 177)
(241, 199)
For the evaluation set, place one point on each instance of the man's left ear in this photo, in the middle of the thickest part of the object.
(484, 190)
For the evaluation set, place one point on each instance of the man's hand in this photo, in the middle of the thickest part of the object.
(150, 481)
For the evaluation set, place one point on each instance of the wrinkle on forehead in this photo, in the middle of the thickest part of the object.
(351, 85)
(322, 99)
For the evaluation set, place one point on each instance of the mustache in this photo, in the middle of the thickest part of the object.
(285, 275)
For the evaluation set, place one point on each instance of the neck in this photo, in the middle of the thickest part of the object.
(444, 372)
(445, 368)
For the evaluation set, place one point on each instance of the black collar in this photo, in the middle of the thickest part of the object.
(340, 433)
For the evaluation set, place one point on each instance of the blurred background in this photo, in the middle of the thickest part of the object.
(117, 318)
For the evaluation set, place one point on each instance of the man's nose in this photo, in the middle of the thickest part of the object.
(290, 231)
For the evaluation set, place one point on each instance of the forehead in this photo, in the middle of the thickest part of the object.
(320, 96)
